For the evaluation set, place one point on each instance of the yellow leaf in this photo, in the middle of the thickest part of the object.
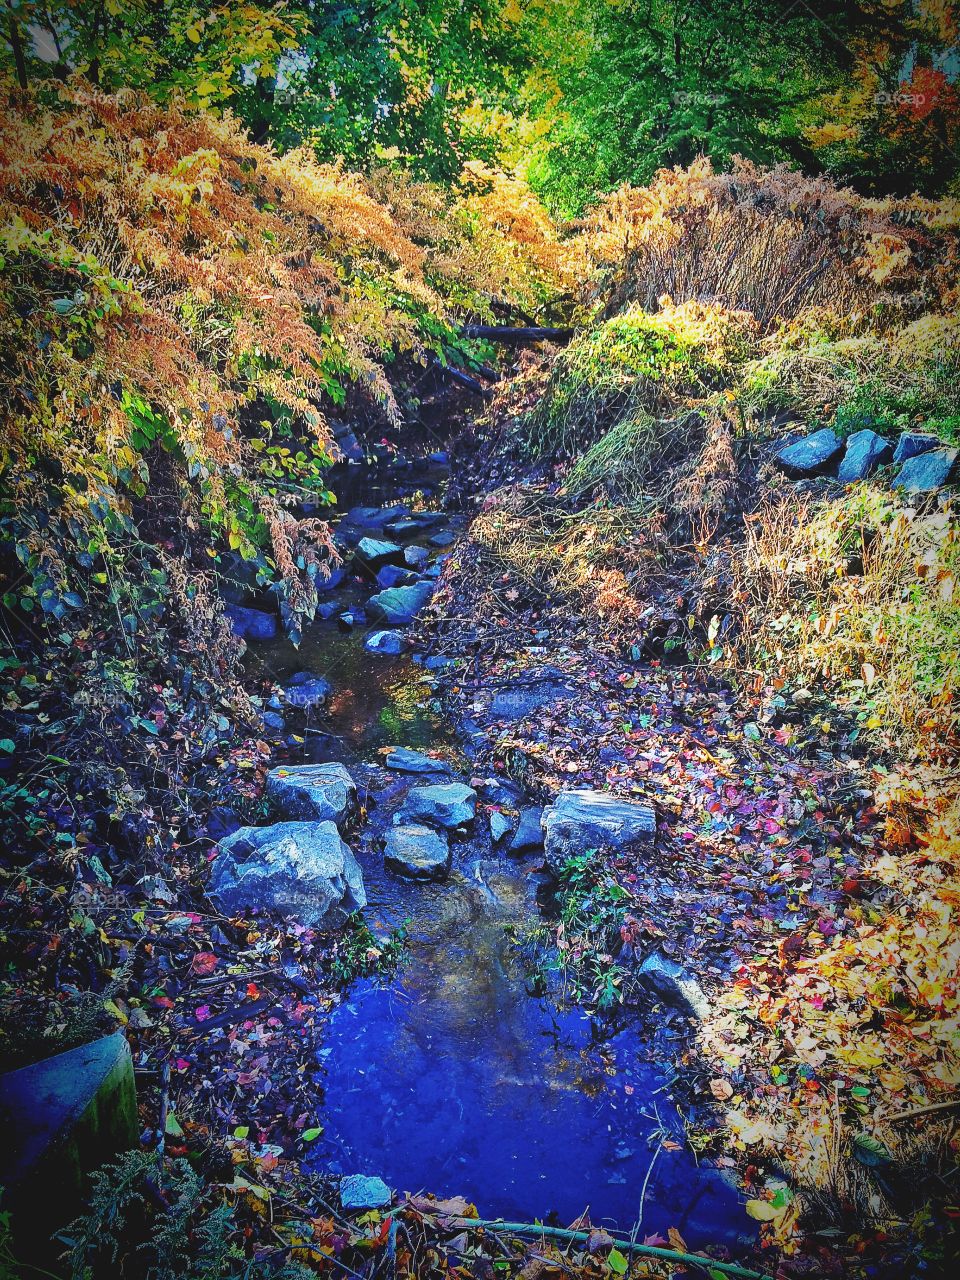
(117, 1012)
(193, 35)
(762, 1210)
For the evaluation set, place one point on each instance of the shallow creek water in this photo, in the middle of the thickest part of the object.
(451, 1077)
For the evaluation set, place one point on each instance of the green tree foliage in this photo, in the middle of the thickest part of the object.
(413, 79)
(639, 84)
(211, 55)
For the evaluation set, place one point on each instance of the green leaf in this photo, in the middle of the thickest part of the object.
(241, 1131)
(172, 1126)
(8, 745)
(309, 1135)
(870, 1151)
(618, 1262)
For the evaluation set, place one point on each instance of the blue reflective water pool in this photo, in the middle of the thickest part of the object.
(453, 1079)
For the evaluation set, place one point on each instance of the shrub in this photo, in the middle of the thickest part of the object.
(630, 367)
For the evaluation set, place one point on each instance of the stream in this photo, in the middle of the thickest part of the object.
(450, 1077)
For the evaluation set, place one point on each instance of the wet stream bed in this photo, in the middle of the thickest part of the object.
(450, 1077)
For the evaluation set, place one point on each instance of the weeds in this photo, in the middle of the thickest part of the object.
(358, 952)
(161, 1223)
(631, 367)
(583, 945)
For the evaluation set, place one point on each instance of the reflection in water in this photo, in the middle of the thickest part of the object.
(454, 1079)
(376, 701)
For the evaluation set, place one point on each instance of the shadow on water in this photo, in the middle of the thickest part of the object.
(451, 1077)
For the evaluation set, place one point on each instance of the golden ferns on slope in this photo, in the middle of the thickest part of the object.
(168, 284)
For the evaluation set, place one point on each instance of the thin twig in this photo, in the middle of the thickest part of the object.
(924, 1111)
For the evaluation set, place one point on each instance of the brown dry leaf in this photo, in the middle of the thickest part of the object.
(721, 1089)
(536, 1266)
(455, 1207)
(599, 1239)
(676, 1240)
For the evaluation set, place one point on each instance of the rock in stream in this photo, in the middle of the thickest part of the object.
(298, 869)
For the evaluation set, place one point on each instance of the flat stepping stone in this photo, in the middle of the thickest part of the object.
(581, 819)
(401, 528)
(400, 605)
(373, 517)
(62, 1118)
(416, 851)
(926, 472)
(448, 804)
(321, 792)
(375, 552)
(865, 452)
(404, 760)
(812, 452)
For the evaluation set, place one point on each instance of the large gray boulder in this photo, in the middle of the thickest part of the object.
(865, 451)
(812, 452)
(405, 760)
(926, 472)
(417, 851)
(317, 792)
(444, 804)
(297, 869)
(400, 605)
(581, 819)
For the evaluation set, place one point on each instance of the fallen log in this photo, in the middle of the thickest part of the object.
(622, 1242)
(515, 334)
(464, 379)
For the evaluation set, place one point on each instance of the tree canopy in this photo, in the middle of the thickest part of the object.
(579, 97)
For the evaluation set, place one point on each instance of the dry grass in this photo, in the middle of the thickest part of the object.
(859, 594)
